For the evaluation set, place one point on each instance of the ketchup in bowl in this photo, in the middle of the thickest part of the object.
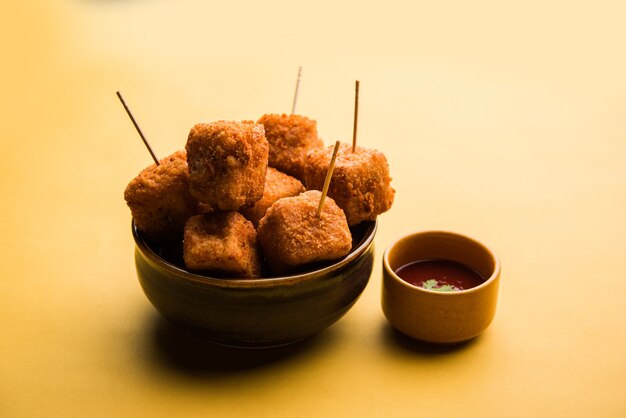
(440, 275)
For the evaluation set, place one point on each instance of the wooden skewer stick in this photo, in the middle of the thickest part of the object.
(143, 138)
(295, 95)
(329, 175)
(356, 114)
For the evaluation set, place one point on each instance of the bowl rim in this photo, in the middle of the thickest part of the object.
(236, 282)
(494, 275)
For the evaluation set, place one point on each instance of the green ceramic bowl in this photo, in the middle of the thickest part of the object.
(263, 312)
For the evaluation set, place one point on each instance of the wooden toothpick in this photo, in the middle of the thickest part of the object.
(356, 114)
(295, 95)
(143, 138)
(329, 174)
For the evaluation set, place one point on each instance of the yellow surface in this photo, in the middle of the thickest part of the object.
(504, 122)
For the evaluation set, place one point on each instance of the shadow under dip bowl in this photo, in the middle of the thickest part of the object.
(431, 315)
(263, 312)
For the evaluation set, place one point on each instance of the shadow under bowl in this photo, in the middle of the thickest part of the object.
(255, 313)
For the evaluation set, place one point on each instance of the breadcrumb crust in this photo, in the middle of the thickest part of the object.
(277, 185)
(159, 198)
(225, 242)
(360, 184)
(227, 163)
(290, 138)
(290, 233)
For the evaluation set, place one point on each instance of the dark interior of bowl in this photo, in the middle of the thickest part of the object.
(172, 251)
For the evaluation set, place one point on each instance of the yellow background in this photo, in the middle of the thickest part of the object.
(500, 120)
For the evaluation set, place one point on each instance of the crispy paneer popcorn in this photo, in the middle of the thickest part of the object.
(227, 163)
(159, 198)
(360, 184)
(277, 185)
(222, 242)
(291, 235)
(290, 138)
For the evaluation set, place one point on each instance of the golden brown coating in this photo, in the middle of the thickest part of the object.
(290, 138)
(277, 185)
(159, 198)
(291, 235)
(222, 242)
(360, 184)
(227, 163)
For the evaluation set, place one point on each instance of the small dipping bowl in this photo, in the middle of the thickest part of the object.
(255, 313)
(434, 316)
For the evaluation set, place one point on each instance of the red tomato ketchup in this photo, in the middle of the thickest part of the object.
(440, 275)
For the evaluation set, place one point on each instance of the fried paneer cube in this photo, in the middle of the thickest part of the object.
(290, 234)
(277, 185)
(360, 184)
(222, 242)
(159, 198)
(227, 163)
(290, 138)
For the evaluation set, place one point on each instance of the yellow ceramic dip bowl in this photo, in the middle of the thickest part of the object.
(435, 316)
